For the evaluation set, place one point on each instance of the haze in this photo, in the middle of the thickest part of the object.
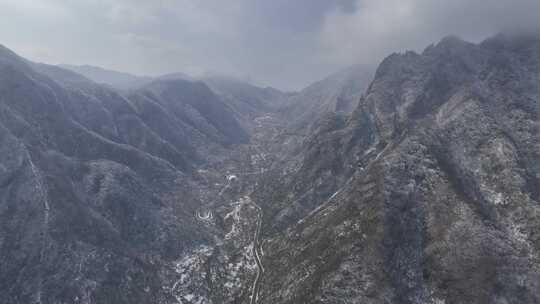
(281, 43)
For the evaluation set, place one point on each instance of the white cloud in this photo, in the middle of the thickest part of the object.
(280, 42)
(362, 35)
(44, 7)
(377, 28)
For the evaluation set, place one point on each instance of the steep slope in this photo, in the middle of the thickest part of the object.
(338, 93)
(427, 194)
(96, 206)
(175, 119)
(246, 99)
(110, 114)
(197, 106)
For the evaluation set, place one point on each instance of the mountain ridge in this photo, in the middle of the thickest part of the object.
(417, 182)
(434, 174)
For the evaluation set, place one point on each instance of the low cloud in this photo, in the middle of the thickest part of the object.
(283, 43)
(378, 28)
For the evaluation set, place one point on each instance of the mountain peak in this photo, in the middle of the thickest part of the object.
(451, 40)
(448, 43)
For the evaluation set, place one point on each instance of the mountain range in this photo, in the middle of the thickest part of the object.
(417, 181)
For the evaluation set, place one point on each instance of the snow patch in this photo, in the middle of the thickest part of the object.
(189, 269)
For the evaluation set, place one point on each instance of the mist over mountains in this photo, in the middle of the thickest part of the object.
(416, 180)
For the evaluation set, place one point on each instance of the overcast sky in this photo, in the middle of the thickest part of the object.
(283, 43)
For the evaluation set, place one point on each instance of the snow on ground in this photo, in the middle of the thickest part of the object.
(236, 269)
(190, 271)
(229, 265)
(234, 215)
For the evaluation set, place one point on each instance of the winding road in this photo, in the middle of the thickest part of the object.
(207, 215)
(40, 188)
(257, 255)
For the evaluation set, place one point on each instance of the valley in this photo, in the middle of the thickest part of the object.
(237, 220)
(415, 182)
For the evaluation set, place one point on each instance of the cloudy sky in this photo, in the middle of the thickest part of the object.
(283, 43)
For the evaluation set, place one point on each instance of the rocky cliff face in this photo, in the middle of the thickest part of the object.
(433, 194)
